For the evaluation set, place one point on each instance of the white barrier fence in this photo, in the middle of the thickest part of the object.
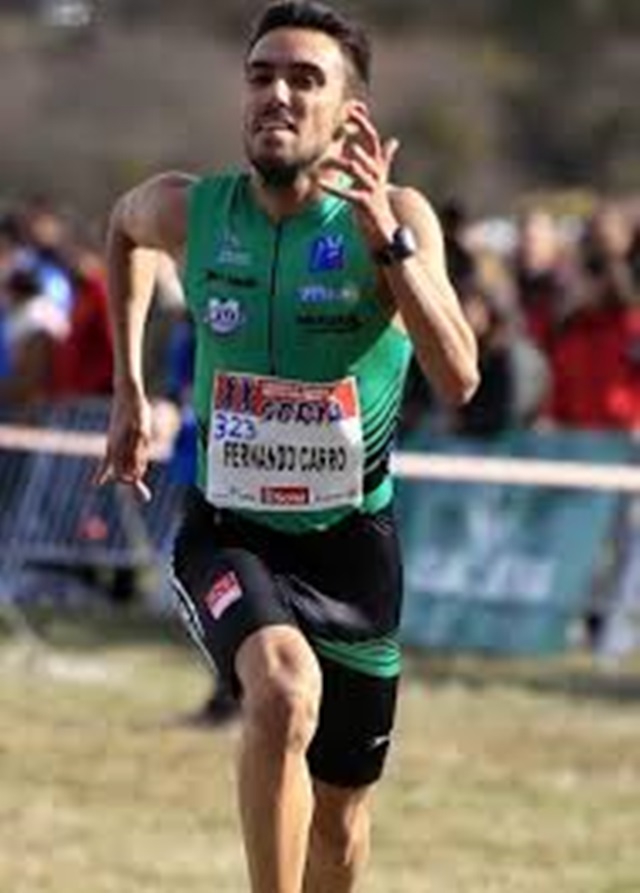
(51, 514)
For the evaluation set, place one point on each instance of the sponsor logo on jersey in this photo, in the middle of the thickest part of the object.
(324, 294)
(327, 253)
(232, 252)
(224, 315)
(224, 592)
(329, 323)
(211, 275)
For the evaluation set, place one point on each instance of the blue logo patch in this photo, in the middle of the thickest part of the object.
(327, 253)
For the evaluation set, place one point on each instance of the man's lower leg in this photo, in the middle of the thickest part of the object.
(276, 807)
(339, 842)
(282, 685)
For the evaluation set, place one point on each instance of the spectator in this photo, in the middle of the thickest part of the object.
(46, 234)
(595, 353)
(33, 328)
(89, 332)
(607, 244)
(539, 276)
(491, 409)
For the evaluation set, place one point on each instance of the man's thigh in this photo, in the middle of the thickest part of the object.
(357, 715)
(225, 591)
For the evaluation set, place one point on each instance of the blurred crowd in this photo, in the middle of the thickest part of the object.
(554, 301)
(54, 334)
(555, 304)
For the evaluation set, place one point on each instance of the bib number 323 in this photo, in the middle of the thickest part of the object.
(284, 445)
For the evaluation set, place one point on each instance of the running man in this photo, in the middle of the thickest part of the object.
(308, 276)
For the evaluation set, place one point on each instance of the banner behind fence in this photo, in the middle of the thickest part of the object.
(499, 568)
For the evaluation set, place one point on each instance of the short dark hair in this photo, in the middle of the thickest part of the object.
(316, 16)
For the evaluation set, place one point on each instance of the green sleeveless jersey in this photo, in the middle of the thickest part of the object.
(295, 301)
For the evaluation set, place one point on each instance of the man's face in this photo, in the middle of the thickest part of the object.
(296, 100)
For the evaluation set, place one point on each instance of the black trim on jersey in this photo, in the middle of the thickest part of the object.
(273, 279)
(381, 435)
(379, 416)
(380, 445)
(375, 477)
(203, 432)
(377, 466)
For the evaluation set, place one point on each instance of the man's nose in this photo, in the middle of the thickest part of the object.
(280, 91)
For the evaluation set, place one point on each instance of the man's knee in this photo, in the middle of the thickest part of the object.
(286, 714)
(281, 692)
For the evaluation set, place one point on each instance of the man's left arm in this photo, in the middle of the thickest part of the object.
(426, 303)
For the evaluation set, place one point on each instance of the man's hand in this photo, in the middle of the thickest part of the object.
(128, 441)
(367, 161)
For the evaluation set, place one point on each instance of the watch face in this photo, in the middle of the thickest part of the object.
(404, 243)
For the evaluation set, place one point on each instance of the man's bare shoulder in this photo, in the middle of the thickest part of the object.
(171, 182)
(407, 201)
(154, 213)
(165, 191)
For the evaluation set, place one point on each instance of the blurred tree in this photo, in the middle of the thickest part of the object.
(496, 94)
(576, 111)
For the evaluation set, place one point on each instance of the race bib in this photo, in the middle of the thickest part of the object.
(281, 445)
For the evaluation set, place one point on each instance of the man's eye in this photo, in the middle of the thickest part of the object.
(259, 78)
(303, 80)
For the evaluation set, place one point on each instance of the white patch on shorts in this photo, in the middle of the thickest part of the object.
(224, 592)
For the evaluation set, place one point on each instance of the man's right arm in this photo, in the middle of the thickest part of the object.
(150, 218)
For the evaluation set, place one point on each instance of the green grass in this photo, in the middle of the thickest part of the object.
(505, 778)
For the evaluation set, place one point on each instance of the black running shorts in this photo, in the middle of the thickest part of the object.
(340, 587)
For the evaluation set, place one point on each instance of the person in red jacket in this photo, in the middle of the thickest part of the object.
(83, 361)
(595, 356)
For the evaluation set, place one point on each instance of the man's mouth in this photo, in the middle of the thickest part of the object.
(275, 125)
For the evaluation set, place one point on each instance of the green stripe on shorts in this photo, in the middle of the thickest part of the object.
(373, 657)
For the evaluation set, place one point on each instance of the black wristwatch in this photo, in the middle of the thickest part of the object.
(402, 245)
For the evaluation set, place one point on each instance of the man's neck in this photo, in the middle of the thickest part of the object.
(279, 202)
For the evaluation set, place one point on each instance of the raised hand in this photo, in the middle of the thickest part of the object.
(366, 160)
